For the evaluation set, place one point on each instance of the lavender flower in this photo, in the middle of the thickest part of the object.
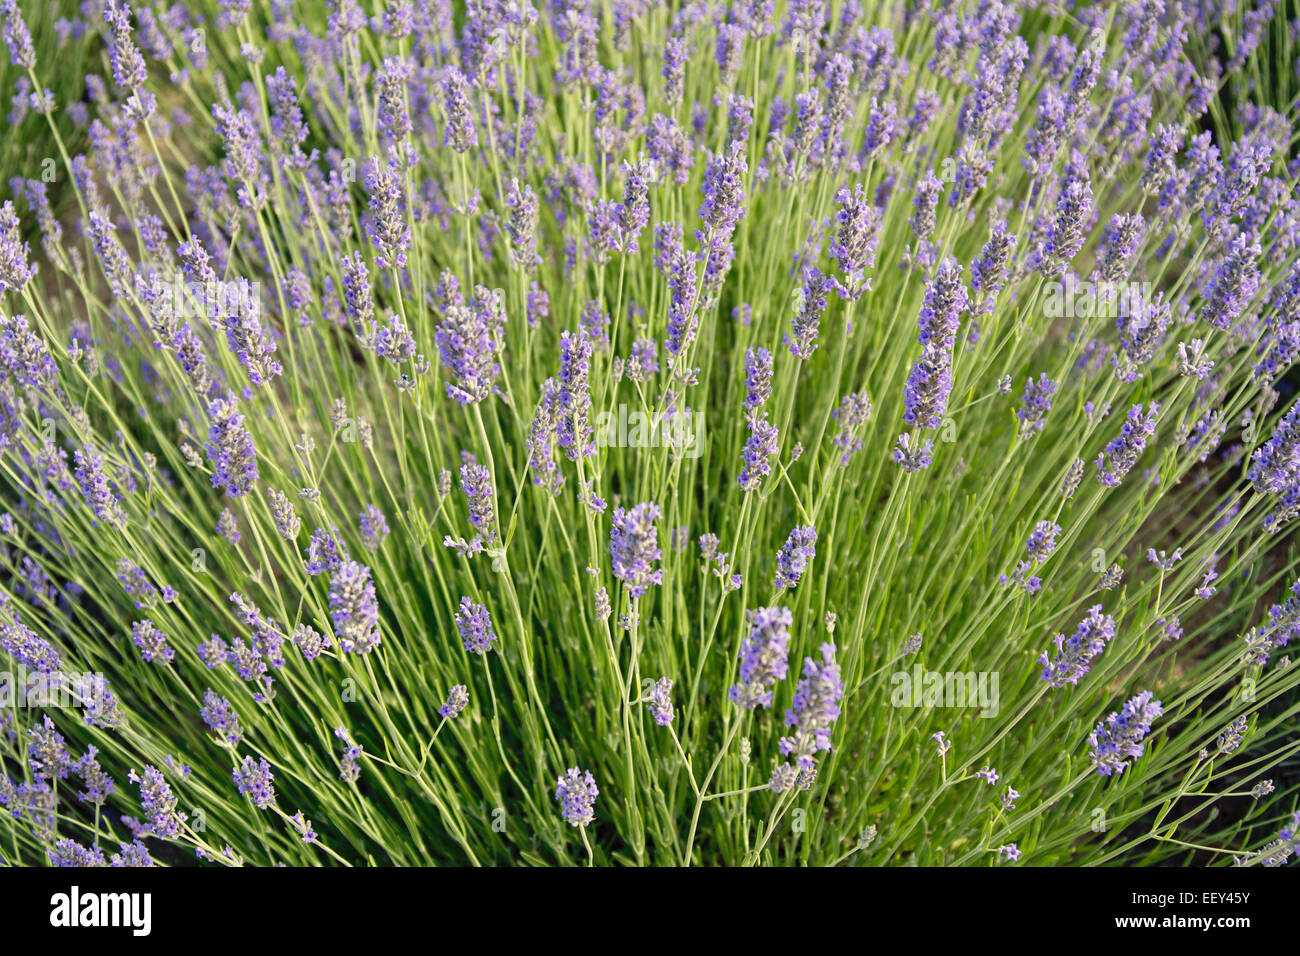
(99, 785)
(1123, 237)
(469, 342)
(793, 558)
(14, 270)
(576, 793)
(254, 779)
(812, 299)
(374, 528)
(660, 702)
(459, 133)
(66, 852)
(759, 448)
(476, 483)
(349, 768)
(1037, 403)
(853, 413)
(1042, 541)
(1162, 561)
(674, 57)
(763, 656)
(221, 718)
(17, 37)
(1074, 656)
(522, 226)
(856, 240)
(988, 271)
(151, 641)
(1123, 450)
(634, 548)
(758, 379)
(129, 70)
(1065, 234)
(1275, 466)
(457, 699)
(354, 609)
(573, 397)
(287, 523)
(228, 526)
(1119, 737)
(97, 488)
(475, 627)
(724, 196)
(159, 803)
(308, 640)
(1234, 283)
(815, 709)
(325, 551)
(912, 454)
(930, 381)
(47, 753)
(244, 165)
(1160, 163)
(230, 449)
(287, 124)
(386, 219)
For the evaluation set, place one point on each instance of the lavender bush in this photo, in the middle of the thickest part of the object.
(700, 433)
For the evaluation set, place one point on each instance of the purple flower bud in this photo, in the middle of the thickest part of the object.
(812, 300)
(17, 37)
(386, 222)
(1037, 403)
(97, 488)
(159, 803)
(759, 448)
(912, 454)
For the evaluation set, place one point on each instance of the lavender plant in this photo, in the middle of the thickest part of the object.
(715, 433)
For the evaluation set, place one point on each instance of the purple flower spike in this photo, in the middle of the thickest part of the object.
(930, 381)
(576, 793)
(1119, 737)
(1074, 656)
(475, 627)
(764, 656)
(793, 558)
(354, 609)
(1123, 450)
(634, 548)
(816, 707)
(457, 699)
